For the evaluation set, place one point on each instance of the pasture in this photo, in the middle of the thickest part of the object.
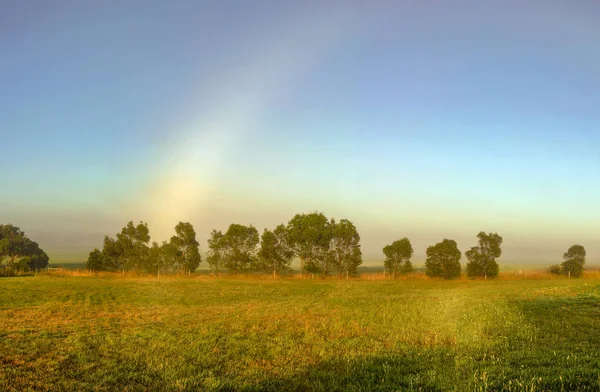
(61, 332)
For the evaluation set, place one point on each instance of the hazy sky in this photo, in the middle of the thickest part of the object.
(422, 119)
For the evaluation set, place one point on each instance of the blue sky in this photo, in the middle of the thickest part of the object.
(410, 119)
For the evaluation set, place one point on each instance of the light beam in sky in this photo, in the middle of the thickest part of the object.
(190, 166)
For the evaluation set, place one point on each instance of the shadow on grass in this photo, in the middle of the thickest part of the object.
(562, 354)
(565, 351)
(424, 371)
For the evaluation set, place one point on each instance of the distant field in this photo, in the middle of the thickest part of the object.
(122, 333)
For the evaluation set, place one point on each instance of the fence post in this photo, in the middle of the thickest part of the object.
(346, 275)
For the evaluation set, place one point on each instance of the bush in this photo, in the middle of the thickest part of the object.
(555, 269)
(5, 272)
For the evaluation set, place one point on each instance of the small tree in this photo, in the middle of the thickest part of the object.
(397, 257)
(574, 261)
(443, 260)
(482, 258)
(274, 255)
(95, 261)
(344, 249)
(555, 269)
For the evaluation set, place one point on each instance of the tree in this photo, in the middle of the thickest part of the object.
(240, 247)
(95, 261)
(162, 257)
(574, 261)
(309, 236)
(397, 257)
(112, 255)
(555, 269)
(234, 250)
(186, 246)
(482, 258)
(133, 244)
(15, 246)
(129, 250)
(443, 260)
(216, 251)
(344, 249)
(275, 254)
(34, 258)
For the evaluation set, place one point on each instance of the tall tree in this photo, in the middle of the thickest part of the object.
(309, 236)
(482, 258)
(574, 261)
(112, 255)
(275, 254)
(133, 242)
(216, 251)
(344, 248)
(443, 260)
(240, 247)
(187, 247)
(397, 257)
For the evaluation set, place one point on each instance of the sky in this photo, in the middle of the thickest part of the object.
(425, 120)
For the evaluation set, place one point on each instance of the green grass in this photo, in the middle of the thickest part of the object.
(90, 333)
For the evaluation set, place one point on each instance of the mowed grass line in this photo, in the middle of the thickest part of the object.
(90, 333)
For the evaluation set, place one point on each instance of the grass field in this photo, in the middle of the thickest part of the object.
(119, 333)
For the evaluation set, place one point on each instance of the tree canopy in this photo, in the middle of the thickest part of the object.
(18, 251)
(235, 250)
(216, 251)
(320, 244)
(397, 257)
(132, 243)
(574, 259)
(482, 258)
(443, 260)
(184, 247)
(309, 236)
(130, 250)
(240, 243)
(344, 249)
(275, 254)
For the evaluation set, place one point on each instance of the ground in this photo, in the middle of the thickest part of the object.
(61, 332)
